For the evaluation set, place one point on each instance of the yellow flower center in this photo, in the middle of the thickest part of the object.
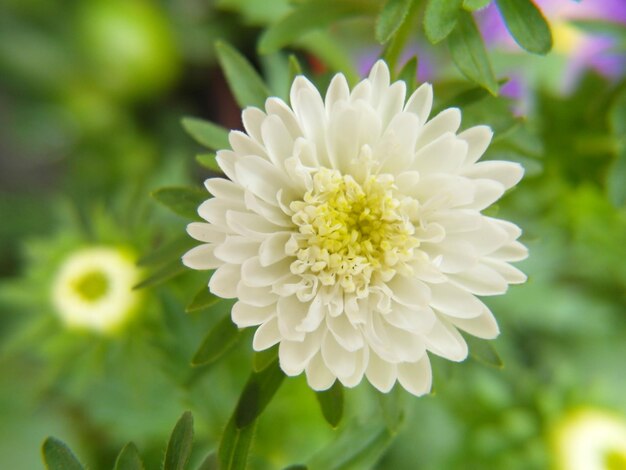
(92, 286)
(351, 232)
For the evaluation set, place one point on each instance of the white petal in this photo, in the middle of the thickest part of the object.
(266, 335)
(483, 326)
(487, 192)
(391, 102)
(445, 341)
(514, 251)
(409, 291)
(277, 107)
(456, 256)
(291, 312)
(272, 249)
(226, 160)
(478, 139)
(480, 280)
(362, 358)
(201, 257)
(243, 144)
(457, 220)
(379, 75)
(338, 90)
(443, 155)
(236, 249)
(224, 189)
(252, 120)
(318, 375)
(341, 362)
(380, 373)
(250, 225)
(261, 178)
(421, 102)
(455, 301)
(416, 377)
(446, 121)
(256, 296)
(511, 274)
(294, 356)
(255, 275)
(271, 212)
(206, 232)
(214, 211)
(349, 337)
(224, 281)
(406, 346)
(508, 174)
(278, 141)
(413, 320)
(245, 315)
(315, 314)
(396, 146)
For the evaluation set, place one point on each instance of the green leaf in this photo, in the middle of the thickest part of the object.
(210, 462)
(409, 74)
(129, 459)
(262, 359)
(296, 466)
(180, 443)
(206, 133)
(295, 68)
(469, 54)
(359, 446)
(483, 351)
(306, 17)
(473, 5)
(331, 402)
(202, 300)
(257, 393)
(207, 160)
(390, 19)
(395, 47)
(394, 408)
(600, 27)
(235, 446)
(168, 252)
(440, 19)
(247, 86)
(218, 341)
(165, 273)
(527, 25)
(57, 456)
(330, 52)
(181, 200)
(616, 180)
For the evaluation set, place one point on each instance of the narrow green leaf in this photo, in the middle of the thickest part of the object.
(473, 5)
(409, 74)
(167, 252)
(296, 466)
(208, 161)
(129, 459)
(394, 408)
(616, 180)
(202, 300)
(210, 462)
(469, 54)
(169, 271)
(483, 351)
(306, 17)
(527, 25)
(57, 456)
(295, 68)
(218, 341)
(206, 133)
(466, 98)
(360, 445)
(440, 19)
(180, 443)
(247, 86)
(181, 200)
(235, 446)
(396, 45)
(390, 19)
(262, 359)
(257, 393)
(600, 27)
(331, 53)
(331, 403)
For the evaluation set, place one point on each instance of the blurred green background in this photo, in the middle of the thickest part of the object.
(91, 98)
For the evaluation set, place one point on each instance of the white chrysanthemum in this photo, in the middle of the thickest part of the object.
(93, 289)
(591, 440)
(350, 231)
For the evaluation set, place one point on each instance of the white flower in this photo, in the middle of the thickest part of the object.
(350, 231)
(93, 289)
(590, 440)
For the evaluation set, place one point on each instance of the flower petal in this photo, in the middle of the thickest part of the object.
(445, 341)
(318, 375)
(266, 335)
(245, 315)
(201, 257)
(381, 373)
(224, 281)
(416, 377)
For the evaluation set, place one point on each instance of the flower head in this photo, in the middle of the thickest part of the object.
(590, 439)
(350, 230)
(93, 289)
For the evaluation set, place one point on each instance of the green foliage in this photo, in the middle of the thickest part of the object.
(473, 5)
(208, 160)
(616, 183)
(169, 271)
(440, 19)
(206, 133)
(331, 403)
(235, 446)
(181, 200)
(391, 17)
(408, 74)
(129, 459)
(247, 86)
(527, 25)
(469, 54)
(180, 443)
(202, 300)
(483, 351)
(257, 393)
(219, 340)
(57, 456)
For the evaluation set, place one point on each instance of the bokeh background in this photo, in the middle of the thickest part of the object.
(92, 93)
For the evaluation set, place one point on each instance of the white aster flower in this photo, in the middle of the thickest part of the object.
(93, 289)
(350, 231)
(591, 440)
